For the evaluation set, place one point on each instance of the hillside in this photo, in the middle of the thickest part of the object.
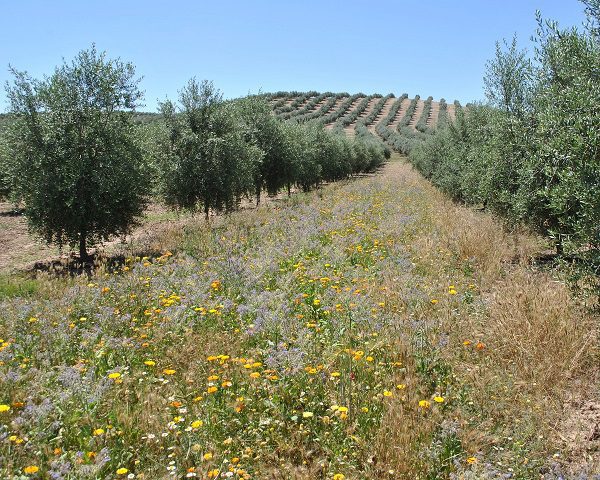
(400, 122)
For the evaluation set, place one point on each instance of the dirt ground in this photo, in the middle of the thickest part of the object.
(22, 251)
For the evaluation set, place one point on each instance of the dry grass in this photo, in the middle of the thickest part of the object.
(541, 346)
(526, 393)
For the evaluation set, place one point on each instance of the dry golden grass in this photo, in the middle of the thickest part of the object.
(520, 395)
(541, 346)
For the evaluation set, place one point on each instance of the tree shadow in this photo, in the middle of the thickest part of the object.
(13, 212)
(73, 266)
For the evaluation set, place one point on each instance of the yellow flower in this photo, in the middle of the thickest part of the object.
(211, 389)
(401, 386)
(114, 375)
(255, 375)
(438, 399)
(168, 371)
(471, 460)
(335, 374)
(307, 414)
(434, 301)
(98, 431)
(387, 393)
(339, 476)
(197, 423)
(122, 471)
(150, 363)
(207, 456)
(31, 469)
(424, 404)
(4, 408)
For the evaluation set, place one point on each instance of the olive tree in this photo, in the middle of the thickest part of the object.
(205, 161)
(77, 167)
(261, 128)
(560, 182)
(6, 175)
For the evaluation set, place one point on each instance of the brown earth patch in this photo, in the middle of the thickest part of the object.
(434, 113)
(399, 114)
(382, 114)
(417, 114)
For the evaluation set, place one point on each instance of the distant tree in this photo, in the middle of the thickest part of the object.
(78, 169)
(206, 163)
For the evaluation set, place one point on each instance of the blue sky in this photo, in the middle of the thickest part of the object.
(435, 47)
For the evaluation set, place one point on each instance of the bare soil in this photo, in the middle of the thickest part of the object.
(417, 114)
(433, 114)
(382, 114)
(399, 114)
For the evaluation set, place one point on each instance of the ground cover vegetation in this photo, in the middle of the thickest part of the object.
(371, 328)
(349, 334)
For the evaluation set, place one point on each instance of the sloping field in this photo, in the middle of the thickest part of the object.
(293, 110)
(417, 114)
(347, 110)
(399, 114)
(382, 114)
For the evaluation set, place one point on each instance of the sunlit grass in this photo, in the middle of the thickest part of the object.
(349, 333)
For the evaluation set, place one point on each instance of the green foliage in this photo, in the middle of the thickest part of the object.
(274, 169)
(76, 163)
(421, 125)
(369, 119)
(341, 111)
(508, 79)
(206, 162)
(256, 151)
(410, 111)
(351, 117)
(6, 165)
(532, 154)
(443, 113)
(17, 286)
